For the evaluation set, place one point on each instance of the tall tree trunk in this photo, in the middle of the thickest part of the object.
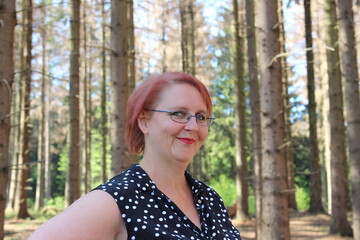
(188, 19)
(86, 108)
(323, 103)
(8, 17)
(315, 196)
(88, 129)
(73, 181)
(339, 223)
(21, 206)
(104, 116)
(184, 21)
(164, 37)
(40, 180)
(274, 183)
(121, 158)
(242, 209)
(287, 108)
(192, 40)
(132, 58)
(352, 101)
(40, 183)
(47, 159)
(14, 144)
(255, 110)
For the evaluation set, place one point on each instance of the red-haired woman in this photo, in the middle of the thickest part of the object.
(168, 120)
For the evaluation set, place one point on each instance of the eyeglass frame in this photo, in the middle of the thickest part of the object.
(189, 116)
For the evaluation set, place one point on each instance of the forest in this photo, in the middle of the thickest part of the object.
(283, 76)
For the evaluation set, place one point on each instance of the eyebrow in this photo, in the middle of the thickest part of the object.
(184, 109)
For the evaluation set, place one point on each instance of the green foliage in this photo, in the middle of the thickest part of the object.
(96, 156)
(61, 171)
(226, 188)
(56, 202)
(301, 146)
(252, 205)
(302, 198)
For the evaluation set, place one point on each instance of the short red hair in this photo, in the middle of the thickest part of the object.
(146, 94)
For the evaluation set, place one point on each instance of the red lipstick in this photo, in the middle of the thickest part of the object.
(187, 140)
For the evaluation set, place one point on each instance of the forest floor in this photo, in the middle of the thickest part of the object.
(303, 226)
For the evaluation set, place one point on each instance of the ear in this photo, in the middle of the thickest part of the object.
(142, 121)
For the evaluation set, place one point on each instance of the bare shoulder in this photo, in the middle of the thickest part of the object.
(94, 216)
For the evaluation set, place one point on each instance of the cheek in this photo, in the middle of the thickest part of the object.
(203, 134)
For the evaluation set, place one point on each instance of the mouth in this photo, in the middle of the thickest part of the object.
(187, 140)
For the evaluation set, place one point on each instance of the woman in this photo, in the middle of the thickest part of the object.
(168, 119)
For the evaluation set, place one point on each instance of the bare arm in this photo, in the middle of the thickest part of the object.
(94, 216)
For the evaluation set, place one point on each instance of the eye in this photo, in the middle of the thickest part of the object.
(201, 117)
(178, 114)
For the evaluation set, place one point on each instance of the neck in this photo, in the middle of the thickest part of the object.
(165, 174)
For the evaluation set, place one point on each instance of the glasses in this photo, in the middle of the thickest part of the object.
(181, 116)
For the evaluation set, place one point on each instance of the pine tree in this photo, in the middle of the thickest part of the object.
(274, 183)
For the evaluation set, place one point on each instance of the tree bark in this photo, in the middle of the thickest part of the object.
(350, 75)
(86, 113)
(132, 57)
(192, 38)
(339, 223)
(104, 116)
(255, 110)
(315, 196)
(164, 37)
(73, 177)
(40, 181)
(8, 17)
(323, 103)
(184, 21)
(242, 209)
(121, 158)
(287, 108)
(21, 203)
(14, 144)
(274, 183)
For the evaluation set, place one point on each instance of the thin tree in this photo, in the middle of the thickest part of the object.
(73, 173)
(164, 35)
(323, 103)
(86, 100)
(8, 17)
(287, 109)
(21, 195)
(121, 159)
(40, 180)
(242, 209)
(339, 223)
(352, 102)
(255, 109)
(192, 42)
(184, 21)
(104, 116)
(132, 57)
(14, 143)
(274, 183)
(315, 185)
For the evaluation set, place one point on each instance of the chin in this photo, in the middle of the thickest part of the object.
(184, 159)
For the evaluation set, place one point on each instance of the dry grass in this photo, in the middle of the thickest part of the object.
(303, 226)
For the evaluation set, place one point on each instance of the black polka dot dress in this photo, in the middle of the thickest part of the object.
(149, 214)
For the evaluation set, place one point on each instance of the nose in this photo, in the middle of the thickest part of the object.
(192, 124)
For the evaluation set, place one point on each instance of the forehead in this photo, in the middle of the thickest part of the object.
(181, 95)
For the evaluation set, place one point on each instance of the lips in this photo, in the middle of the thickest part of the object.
(187, 140)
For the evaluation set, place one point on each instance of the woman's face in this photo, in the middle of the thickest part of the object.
(169, 140)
